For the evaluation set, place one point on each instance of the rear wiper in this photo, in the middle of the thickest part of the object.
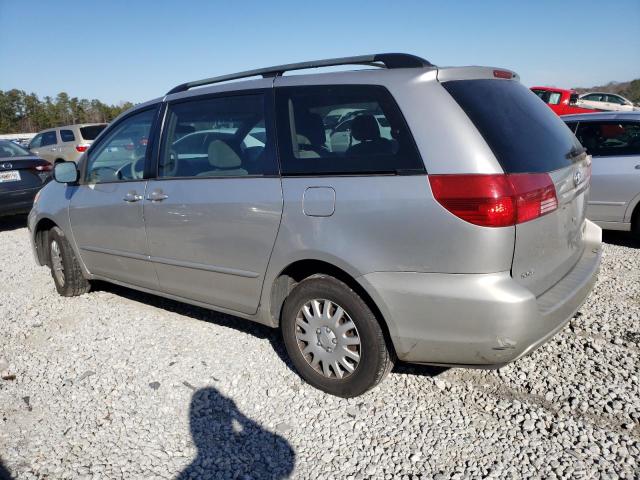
(576, 152)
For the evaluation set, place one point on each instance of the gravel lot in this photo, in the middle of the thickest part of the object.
(119, 384)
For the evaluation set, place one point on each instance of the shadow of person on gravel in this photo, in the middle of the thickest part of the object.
(230, 445)
(4, 472)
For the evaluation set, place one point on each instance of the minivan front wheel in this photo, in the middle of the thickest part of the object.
(65, 268)
(333, 338)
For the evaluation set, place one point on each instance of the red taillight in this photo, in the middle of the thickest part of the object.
(503, 74)
(496, 200)
(130, 146)
(82, 148)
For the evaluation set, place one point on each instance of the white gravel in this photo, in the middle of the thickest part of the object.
(119, 384)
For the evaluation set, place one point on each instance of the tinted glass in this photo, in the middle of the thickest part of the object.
(572, 126)
(91, 132)
(10, 149)
(121, 154)
(49, 138)
(607, 139)
(524, 134)
(217, 137)
(615, 99)
(370, 135)
(67, 136)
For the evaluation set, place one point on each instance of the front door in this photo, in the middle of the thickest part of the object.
(106, 208)
(213, 212)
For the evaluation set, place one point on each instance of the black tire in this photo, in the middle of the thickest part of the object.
(376, 360)
(72, 282)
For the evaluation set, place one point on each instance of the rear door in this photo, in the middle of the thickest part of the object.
(213, 212)
(527, 137)
(67, 146)
(106, 208)
(615, 147)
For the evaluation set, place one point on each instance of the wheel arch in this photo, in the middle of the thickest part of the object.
(41, 239)
(299, 270)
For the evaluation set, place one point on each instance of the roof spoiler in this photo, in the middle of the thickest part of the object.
(385, 60)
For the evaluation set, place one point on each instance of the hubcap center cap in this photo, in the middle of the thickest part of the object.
(326, 338)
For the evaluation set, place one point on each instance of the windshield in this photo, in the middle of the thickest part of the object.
(10, 149)
(524, 134)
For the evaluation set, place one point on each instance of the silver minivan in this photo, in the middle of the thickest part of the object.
(459, 238)
(613, 140)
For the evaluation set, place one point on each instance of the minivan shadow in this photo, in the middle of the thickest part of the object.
(622, 239)
(240, 324)
(199, 313)
(13, 222)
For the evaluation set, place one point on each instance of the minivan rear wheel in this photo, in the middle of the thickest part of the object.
(333, 338)
(65, 267)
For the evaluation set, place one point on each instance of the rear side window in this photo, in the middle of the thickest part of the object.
(609, 139)
(67, 136)
(217, 137)
(343, 129)
(48, 138)
(524, 134)
(91, 132)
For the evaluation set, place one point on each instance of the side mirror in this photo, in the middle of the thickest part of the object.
(66, 172)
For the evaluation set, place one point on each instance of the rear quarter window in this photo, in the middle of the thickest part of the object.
(91, 132)
(524, 134)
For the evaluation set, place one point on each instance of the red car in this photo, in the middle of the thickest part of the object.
(561, 101)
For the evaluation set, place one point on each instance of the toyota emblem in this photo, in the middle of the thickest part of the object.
(6, 166)
(577, 177)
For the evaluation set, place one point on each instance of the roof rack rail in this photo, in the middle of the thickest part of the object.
(387, 60)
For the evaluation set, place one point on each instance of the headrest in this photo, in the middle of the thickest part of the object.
(222, 155)
(365, 127)
(311, 127)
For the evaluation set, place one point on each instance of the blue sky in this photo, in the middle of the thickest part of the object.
(136, 50)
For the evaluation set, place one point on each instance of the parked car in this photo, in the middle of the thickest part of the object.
(613, 139)
(22, 174)
(561, 101)
(463, 242)
(65, 144)
(606, 101)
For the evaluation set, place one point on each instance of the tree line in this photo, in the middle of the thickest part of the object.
(26, 113)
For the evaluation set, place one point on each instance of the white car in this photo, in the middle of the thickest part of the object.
(606, 101)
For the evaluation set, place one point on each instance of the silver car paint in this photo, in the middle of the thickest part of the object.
(615, 180)
(387, 232)
(211, 239)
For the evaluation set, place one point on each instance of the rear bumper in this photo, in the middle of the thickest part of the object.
(482, 320)
(18, 201)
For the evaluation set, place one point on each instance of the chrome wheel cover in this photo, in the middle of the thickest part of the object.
(56, 262)
(328, 339)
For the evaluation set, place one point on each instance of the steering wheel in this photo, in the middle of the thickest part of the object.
(132, 170)
(321, 151)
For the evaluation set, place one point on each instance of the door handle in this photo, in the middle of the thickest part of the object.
(637, 167)
(157, 196)
(132, 197)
